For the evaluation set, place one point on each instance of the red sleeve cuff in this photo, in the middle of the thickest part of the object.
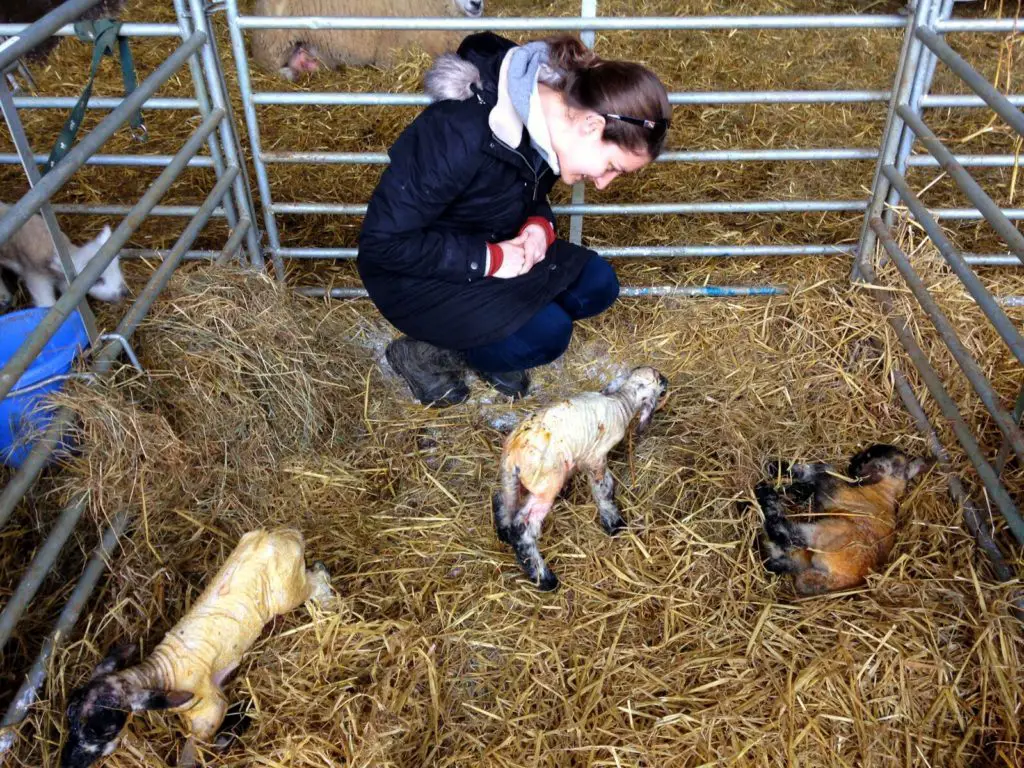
(496, 257)
(549, 230)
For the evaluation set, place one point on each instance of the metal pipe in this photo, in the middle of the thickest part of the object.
(997, 101)
(646, 251)
(680, 291)
(601, 23)
(957, 101)
(232, 152)
(154, 253)
(76, 209)
(625, 209)
(33, 34)
(252, 126)
(128, 29)
(969, 366)
(973, 519)
(142, 161)
(39, 568)
(949, 409)
(379, 99)
(972, 214)
(102, 361)
(99, 102)
(988, 207)
(700, 156)
(28, 693)
(588, 9)
(979, 25)
(19, 213)
(76, 292)
(1006, 328)
(992, 260)
(234, 242)
(1018, 411)
(906, 70)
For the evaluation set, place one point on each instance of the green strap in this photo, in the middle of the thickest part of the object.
(104, 33)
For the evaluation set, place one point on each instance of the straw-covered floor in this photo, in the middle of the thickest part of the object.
(667, 646)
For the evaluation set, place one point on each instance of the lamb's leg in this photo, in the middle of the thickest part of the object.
(780, 531)
(204, 719)
(809, 481)
(525, 534)
(504, 504)
(602, 486)
(41, 289)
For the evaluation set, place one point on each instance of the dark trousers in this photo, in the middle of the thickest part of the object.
(546, 335)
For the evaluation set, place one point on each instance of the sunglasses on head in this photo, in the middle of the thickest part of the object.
(658, 127)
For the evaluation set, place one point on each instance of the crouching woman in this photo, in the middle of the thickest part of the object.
(458, 249)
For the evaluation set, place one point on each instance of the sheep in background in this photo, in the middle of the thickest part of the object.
(838, 550)
(542, 453)
(29, 11)
(30, 254)
(265, 576)
(291, 52)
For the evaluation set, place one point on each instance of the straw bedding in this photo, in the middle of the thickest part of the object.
(669, 646)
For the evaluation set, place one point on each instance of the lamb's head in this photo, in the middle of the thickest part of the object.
(471, 8)
(110, 285)
(886, 463)
(98, 711)
(646, 390)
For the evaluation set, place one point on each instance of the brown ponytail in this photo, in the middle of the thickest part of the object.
(623, 89)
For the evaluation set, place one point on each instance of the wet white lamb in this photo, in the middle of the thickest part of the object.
(543, 451)
(291, 52)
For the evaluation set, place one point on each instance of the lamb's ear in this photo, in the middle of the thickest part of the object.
(643, 419)
(918, 466)
(115, 659)
(145, 698)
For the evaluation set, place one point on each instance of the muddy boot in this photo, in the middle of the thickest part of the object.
(433, 374)
(513, 384)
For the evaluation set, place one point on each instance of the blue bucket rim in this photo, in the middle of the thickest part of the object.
(36, 373)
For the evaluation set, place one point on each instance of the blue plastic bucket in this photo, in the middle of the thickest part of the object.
(20, 412)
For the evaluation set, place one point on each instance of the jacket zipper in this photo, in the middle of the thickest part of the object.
(536, 176)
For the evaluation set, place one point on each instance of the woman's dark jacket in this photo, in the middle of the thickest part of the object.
(452, 186)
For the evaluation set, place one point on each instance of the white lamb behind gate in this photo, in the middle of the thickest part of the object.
(291, 52)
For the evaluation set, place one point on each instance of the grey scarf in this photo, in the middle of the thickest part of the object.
(526, 65)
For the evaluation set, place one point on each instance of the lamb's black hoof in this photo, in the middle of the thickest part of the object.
(236, 722)
(504, 532)
(548, 582)
(615, 527)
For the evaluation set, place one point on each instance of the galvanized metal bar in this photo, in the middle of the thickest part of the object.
(128, 29)
(19, 213)
(992, 259)
(958, 101)
(922, 83)
(234, 242)
(28, 692)
(906, 72)
(131, 161)
(35, 341)
(979, 25)
(972, 371)
(678, 291)
(700, 156)
(988, 92)
(1006, 328)
(77, 209)
(154, 253)
(102, 360)
(626, 209)
(378, 99)
(57, 240)
(570, 23)
(588, 10)
(252, 125)
(232, 151)
(974, 520)
(1004, 448)
(988, 207)
(186, 29)
(949, 409)
(33, 34)
(100, 102)
(972, 214)
(645, 251)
